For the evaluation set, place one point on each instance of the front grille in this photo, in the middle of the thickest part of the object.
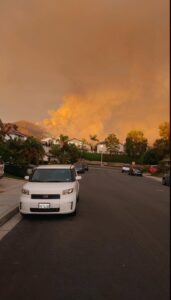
(44, 209)
(45, 197)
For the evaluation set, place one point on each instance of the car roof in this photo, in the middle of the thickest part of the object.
(55, 167)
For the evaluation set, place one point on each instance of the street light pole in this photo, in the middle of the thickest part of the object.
(101, 151)
(101, 159)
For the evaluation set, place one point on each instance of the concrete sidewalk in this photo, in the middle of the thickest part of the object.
(148, 175)
(10, 190)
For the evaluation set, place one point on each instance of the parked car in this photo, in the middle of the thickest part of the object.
(85, 165)
(125, 168)
(1, 168)
(135, 172)
(166, 179)
(51, 189)
(79, 168)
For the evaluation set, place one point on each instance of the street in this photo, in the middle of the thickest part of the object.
(116, 247)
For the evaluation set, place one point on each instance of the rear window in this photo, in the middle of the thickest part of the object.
(52, 175)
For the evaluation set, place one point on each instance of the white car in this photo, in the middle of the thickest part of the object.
(52, 189)
(125, 169)
(1, 169)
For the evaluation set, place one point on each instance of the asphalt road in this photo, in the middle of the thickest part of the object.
(117, 247)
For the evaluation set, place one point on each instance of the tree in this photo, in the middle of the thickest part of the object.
(136, 144)
(164, 131)
(84, 145)
(112, 143)
(68, 153)
(73, 152)
(15, 151)
(33, 151)
(94, 139)
(149, 157)
(162, 146)
(22, 153)
(63, 139)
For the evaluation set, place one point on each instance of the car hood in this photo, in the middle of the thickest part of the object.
(48, 187)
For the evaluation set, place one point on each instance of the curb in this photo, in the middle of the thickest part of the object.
(104, 167)
(8, 215)
(159, 179)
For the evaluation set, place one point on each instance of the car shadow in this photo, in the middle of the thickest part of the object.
(49, 218)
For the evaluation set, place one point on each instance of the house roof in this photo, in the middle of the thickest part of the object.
(16, 132)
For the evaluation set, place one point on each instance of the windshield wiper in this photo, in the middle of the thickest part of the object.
(37, 181)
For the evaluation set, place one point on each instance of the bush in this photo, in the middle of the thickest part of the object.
(121, 158)
(149, 157)
(15, 170)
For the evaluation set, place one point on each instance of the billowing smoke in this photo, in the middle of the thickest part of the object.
(112, 111)
(98, 66)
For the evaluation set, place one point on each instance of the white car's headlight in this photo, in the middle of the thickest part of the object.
(25, 192)
(68, 191)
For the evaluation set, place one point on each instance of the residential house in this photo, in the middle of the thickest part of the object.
(79, 144)
(47, 143)
(101, 148)
(15, 134)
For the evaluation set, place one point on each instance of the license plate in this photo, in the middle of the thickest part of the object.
(44, 205)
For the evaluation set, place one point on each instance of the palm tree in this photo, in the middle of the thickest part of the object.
(63, 140)
(94, 139)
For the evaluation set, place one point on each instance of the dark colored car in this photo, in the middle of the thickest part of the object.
(135, 172)
(85, 166)
(166, 179)
(79, 168)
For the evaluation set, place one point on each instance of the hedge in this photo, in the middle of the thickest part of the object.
(17, 170)
(121, 158)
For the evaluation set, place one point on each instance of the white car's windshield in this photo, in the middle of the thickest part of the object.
(52, 175)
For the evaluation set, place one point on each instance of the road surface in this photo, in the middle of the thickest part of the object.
(117, 247)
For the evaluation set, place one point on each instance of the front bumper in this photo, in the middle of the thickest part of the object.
(65, 205)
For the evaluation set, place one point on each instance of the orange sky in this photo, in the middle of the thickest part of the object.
(82, 67)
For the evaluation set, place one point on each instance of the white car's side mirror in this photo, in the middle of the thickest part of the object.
(78, 177)
(26, 177)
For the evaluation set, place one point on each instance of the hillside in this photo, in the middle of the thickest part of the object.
(31, 129)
